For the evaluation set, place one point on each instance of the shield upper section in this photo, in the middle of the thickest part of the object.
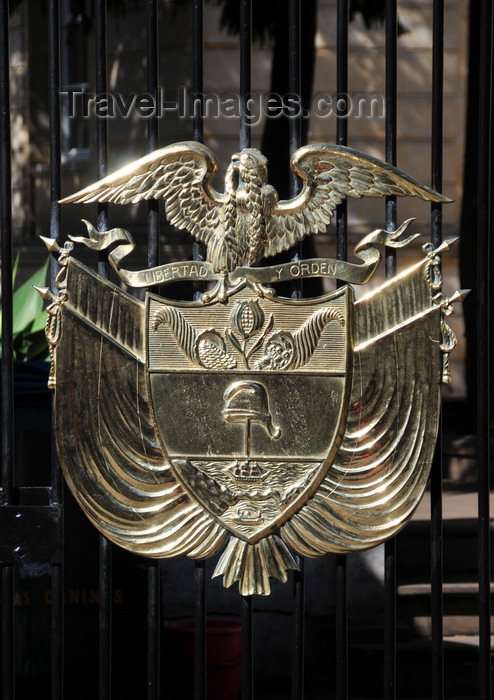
(250, 399)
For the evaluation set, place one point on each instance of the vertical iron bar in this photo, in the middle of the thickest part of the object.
(294, 124)
(57, 632)
(244, 142)
(341, 115)
(200, 631)
(341, 628)
(483, 356)
(199, 253)
(105, 613)
(298, 632)
(105, 572)
(152, 65)
(342, 18)
(8, 669)
(55, 126)
(55, 233)
(6, 229)
(436, 473)
(390, 120)
(341, 612)
(198, 66)
(437, 116)
(57, 580)
(152, 124)
(247, 665)
(245, 71)
(101, 123)
(390, 619)
(154, 599)
(390, 266)
(198, 249)
(153, 260)
(294, 139)
(101, 88)
(437, 574)
(154, 617)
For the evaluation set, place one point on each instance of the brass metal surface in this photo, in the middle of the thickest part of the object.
(272, 426)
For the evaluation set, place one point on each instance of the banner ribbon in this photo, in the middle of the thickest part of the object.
(353, 273)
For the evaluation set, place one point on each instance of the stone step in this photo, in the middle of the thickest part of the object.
(460, 538)
(460, 552)
(450, 589)
(460, 607)
(459, 460)
(458, 504)
(413, 672)
(460, 566)
(413, 668)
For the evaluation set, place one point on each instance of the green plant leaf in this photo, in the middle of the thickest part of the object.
(39, 323)
(29, 341)
(31, 347)
(27, 302)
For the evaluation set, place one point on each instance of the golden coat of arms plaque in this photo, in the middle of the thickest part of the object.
(262, 426)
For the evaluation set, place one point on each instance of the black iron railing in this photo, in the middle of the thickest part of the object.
(31, 519)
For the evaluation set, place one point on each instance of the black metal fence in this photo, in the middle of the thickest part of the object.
(34, 531)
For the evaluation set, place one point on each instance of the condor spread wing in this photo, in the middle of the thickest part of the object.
(181, 174)
(329, 174)
(106, 435)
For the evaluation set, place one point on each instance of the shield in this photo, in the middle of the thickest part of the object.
(250, 399)
(253, 425)
(241, 422)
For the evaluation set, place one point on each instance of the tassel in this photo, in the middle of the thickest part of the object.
(253, 564)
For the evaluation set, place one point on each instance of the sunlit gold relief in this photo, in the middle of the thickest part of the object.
(264, 426)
